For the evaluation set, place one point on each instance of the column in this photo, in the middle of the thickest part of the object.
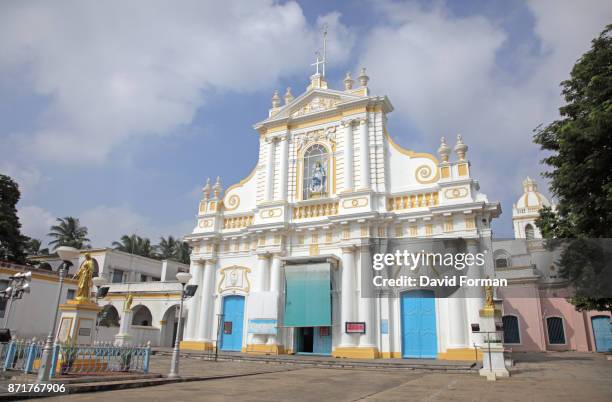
(348, 156)
(348, 294)
(270, 169)
(275, 288)
(284, 170)
(364, 146)
(475, 295)
(457, 322)
(259, 285)
(192, 304)
(367, 300)
(206, 301)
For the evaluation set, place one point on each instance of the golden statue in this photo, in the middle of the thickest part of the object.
(84, 276)
(128, 302)
(489, 304)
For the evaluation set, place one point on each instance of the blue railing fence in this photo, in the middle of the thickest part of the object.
(70, 359)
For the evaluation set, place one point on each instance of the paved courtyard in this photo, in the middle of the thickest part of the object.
(536, 377)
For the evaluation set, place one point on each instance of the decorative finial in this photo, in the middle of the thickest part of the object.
(363, 78)
(288, 96)
(275, 99)
(444, 150)
(206, 189)
(460, 148)
(348, 81)
(217, 187)
(529, 185)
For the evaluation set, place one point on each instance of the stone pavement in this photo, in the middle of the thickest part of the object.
(546, 377)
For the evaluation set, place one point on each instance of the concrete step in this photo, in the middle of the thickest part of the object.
(330, 362)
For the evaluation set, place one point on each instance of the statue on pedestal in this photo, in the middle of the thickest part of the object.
(84, 276)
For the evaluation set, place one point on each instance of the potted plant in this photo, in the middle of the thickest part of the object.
(126, 359)
(68, 355)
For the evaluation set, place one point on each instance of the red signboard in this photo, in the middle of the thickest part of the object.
(355, 327)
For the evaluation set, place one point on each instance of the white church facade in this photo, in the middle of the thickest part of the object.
(277, 257)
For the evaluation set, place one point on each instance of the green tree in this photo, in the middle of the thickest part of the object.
(135, 245)
(580, 155)
(33, 247)
(68, 232)
(166, 249)
(171, 248)
(12, 242)
(183, 252)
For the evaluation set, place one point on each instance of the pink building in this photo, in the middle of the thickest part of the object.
(536, 313)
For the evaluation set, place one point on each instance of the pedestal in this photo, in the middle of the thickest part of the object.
(123, 337)
(78, 322)
(493, 362)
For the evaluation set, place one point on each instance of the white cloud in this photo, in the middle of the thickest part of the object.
(35, 222)
(114, 70)
(442, 74)
(105, 224)
(27, 177)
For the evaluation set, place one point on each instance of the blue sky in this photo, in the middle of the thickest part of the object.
(117, 112)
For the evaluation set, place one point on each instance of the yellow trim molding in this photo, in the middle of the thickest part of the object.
(264, 349)
(409, 152)
(391, 355)
(73, 305)
(241, 183)
(356, 353)
(199, 346)
(468, 354)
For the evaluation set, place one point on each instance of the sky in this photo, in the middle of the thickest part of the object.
(116, 112)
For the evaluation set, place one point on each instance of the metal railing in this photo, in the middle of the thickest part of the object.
(71, 359)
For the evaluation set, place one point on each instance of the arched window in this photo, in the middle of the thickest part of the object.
(315, 172)
(529, 232)
(501, 262)
(109, 316)
(556, 334)
(511, 329)
(142, 316)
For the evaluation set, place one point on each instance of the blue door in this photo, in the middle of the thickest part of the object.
(233, 318)
(322, 343)
(602, 330)
(419, 338)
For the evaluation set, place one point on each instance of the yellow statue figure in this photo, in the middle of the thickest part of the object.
(128, 302)
(84, 276)
(489, 304)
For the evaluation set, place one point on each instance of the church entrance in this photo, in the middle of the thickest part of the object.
(231, 327)
(308, 306)
(313, 340)
(418, 314)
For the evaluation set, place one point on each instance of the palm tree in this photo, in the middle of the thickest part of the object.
(68, 232)
(166, 249)
(182, 252)
(33, 247)
(135, 245)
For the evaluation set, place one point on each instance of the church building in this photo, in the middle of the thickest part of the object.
(277, 256)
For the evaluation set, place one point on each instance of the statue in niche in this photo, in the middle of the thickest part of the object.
(317, 182)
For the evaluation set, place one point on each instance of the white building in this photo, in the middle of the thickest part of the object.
(329, 179)
(527, 209)
(152, 284)
(32, 315)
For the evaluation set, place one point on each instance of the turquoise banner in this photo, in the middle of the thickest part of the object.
(308, 296)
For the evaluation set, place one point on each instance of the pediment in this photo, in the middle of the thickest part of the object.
(316, 103)
(312, 102)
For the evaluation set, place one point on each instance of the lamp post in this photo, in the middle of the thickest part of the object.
(66, 254)
(99, 282)
(182, 278)
(18, 285)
